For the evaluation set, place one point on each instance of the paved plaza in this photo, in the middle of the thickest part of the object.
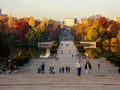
(105, 78)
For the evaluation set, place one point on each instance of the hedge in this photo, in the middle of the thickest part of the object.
(113, 59)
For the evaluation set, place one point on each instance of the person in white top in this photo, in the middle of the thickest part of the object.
(78, 66)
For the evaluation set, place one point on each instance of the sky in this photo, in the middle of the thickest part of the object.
(60, 9)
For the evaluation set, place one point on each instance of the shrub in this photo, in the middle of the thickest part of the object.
(27, 54)
(42, 51)
(80, 48)
(117, 62)
(20, 60)
(54, 48)
(4, 62)
(3, 59)
(113, 59)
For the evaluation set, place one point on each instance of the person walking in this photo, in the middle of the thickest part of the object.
(98, 65)
(87, 67)
(67, 69)
(78, 66)
(62, 69)
(39, 70)
(50, 69)
(43, 67)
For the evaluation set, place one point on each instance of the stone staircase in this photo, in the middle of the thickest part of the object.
(107, 78)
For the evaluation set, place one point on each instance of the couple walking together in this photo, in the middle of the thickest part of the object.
(79, 67)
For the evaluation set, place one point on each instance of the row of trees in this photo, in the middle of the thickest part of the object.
(28, 30)
(98, 28)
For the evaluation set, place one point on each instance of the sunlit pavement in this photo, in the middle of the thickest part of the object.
(107, 78)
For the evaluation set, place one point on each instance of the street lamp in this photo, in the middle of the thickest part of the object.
(9, 60)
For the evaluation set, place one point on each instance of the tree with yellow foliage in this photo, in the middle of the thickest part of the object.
(43, 24)
(32, 22)
(118, 36)
(113, 41)
(10, 21)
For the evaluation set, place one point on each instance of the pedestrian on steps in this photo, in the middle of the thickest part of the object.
(78, 66)
(43, 67)
(87, 67)
(39, 70)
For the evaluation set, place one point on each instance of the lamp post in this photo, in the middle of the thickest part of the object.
(9, 60)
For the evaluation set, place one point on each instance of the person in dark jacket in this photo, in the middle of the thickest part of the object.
(87, 67)
(43, 67)
(62, 69)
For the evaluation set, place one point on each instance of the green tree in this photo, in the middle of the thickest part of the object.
(33, 36)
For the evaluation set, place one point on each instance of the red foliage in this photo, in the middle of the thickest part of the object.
(103, 21)
(22, 27)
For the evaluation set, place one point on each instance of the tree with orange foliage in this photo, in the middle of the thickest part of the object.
(22, 28)
(103, 21)
(118, 37)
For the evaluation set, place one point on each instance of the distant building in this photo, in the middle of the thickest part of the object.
(116, 18)
(2, 14)
(60, 22)
(70, 21)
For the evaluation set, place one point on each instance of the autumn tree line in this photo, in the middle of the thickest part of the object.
(28, 30)
(98, 28)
